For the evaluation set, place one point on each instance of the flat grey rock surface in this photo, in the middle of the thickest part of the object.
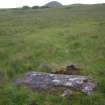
(45, 81)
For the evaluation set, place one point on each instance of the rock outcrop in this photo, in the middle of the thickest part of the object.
(46, 81)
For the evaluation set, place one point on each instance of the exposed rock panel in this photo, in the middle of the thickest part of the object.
(47, 81)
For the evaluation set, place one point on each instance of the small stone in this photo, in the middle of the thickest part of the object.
(67, 93)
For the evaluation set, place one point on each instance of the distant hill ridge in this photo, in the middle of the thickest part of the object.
(53, 4)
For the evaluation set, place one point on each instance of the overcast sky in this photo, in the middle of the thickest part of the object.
(19, 3)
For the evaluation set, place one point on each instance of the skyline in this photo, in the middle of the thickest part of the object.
(20, 3)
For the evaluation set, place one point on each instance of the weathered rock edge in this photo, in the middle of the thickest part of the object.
(45, 81)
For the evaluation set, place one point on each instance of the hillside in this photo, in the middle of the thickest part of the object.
(32, 38)
(53, 4)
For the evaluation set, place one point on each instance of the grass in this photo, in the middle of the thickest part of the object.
(55, 36)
